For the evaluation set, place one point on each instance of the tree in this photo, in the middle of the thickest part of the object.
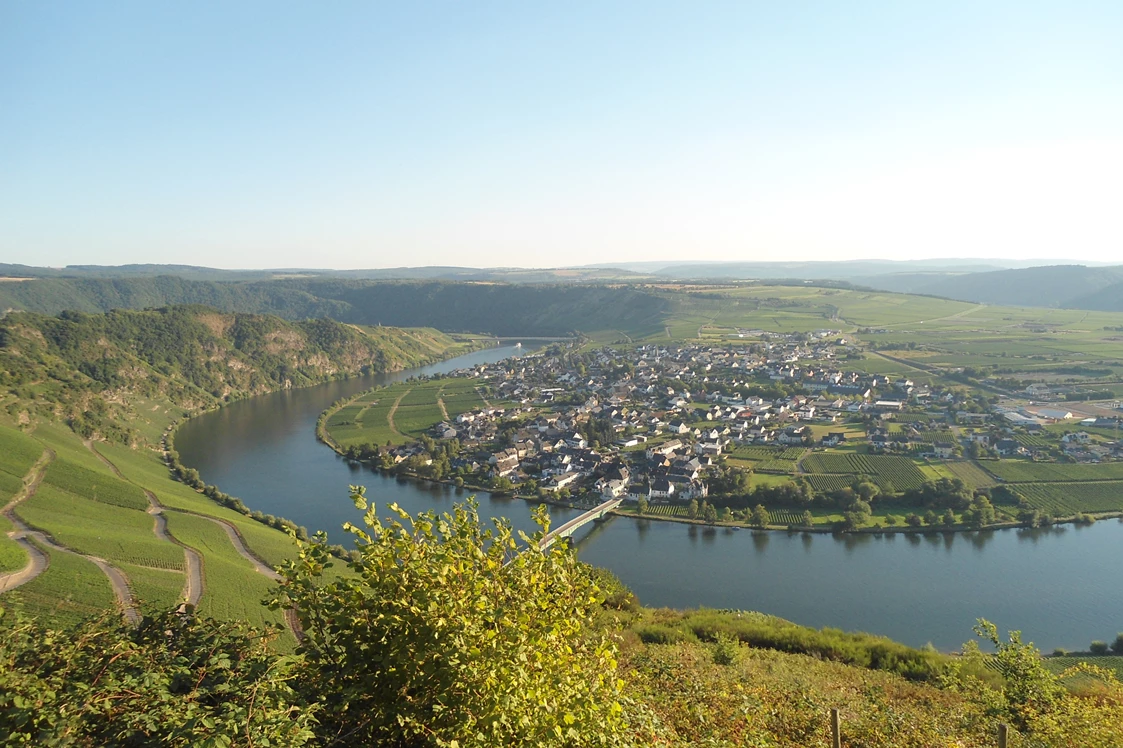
(692, 509)
(931, 518)
(449, 632)
(726, 515)
(913, 520)
(1098, 648)
(642, 505)
(982, 512)
(760, 517)
(949, 518)
(806, 519)
(709, 513)
(1029, 689)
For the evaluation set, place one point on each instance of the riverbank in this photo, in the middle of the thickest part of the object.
(883, 530)
(192, 478)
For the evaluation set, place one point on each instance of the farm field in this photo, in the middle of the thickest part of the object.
(1113, 663)
(18, 453)
(154, 589)
(1071, 498)
(973, 476)
(94, 484)
(86, 507)
(1021, 471)
(404, 411)
(776, 460)
(888, 472)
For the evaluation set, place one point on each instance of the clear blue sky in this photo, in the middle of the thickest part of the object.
(302, 134)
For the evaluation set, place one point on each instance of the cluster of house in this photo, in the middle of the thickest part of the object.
(646, 398)
(653, 398)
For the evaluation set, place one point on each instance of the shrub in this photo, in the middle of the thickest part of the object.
(657, 633)
(727, 650)
(1098, 648)
(448, 632)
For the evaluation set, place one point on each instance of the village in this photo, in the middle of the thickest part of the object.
(679, 423)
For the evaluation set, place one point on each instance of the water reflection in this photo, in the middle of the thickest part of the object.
(760, 540)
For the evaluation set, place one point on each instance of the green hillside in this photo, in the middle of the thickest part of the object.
(121, 374)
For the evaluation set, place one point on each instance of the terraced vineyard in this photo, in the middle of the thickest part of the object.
(1070, 498)
(111, 532)
(70, 590)
(899, 473)
(82, 481)
(1107, 662)
(1021, 471)
(241, 590)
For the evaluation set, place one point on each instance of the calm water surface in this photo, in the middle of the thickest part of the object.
(1058, 586)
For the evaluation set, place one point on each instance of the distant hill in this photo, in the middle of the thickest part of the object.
(1106, 299)
(448, 273)
(839, 270)
(1068, 286)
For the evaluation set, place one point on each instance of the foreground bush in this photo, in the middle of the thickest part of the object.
(175, 680)
(447, 635)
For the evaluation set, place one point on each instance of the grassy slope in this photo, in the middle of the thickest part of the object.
(71, 589)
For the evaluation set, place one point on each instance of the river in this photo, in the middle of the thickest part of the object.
(1055, 585)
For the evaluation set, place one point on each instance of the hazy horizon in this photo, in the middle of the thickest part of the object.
(363, 136)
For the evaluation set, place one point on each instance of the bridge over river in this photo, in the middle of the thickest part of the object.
(573, 525)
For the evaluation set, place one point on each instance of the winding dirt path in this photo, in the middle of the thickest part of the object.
(192, 561)
(260, 567)
(393, 410)
(39, 561)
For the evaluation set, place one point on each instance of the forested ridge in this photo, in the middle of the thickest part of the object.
(496, 308)
(93, 369)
